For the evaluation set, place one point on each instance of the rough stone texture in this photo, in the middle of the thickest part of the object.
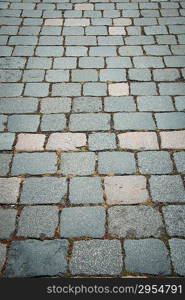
(174, 216)
(6, 140)
(82, 222)
(28, 258)
(102, 141)
(138, 140)
(155, 162)
(9, 190)
(66, 141)
(173, 139)
(125, 189)
(167, 188)
(134, 221)
(78, 163)
(38, 221)
(5, 160)
(96, 257)
(116, 163)
(7, 222)
(45, 190)
(30, 142)
(85, 190)
(177, 247)
(34, 163)
(179, 158)
(153, 257)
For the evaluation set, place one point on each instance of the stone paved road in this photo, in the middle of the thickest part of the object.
(92, 133)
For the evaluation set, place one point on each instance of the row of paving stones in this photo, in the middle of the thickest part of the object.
(89, 221)
(116, 189)
(93, 257)
(91, 75)
(58, 105)
(88, 163)
(94, 121)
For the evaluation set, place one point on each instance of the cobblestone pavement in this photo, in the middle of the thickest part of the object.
(92, 136)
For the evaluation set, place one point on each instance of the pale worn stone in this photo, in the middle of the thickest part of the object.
(30, 142)
(118, 89)
(173, 139)
(54, 22)
(84, 6)
(117, 30)
(125, 189)
(66, 141)
(138, 140)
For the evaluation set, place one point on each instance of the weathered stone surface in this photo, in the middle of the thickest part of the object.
(97, 257)
(28, 258)
(66, 141)
(134, 221)
(125, 189)
(9, 190)
(153, 257)
(177, 247)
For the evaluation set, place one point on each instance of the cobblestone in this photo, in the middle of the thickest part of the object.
(135, 221)
(87, 221)
(33, 254)
(96, 257)
(92, 138)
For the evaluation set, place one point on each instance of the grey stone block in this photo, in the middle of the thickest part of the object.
(50, 51)
(155, 162)
(65, 63)
(39, 63)
(95, 89)
(143, 88)
(80, 40)
(57, 75)
(76, 51)
(84, 75)
(38, 221)
(134, 121)
(148, 62)
(84, 190)
(117, 75)
(9, 189)
(12, 62)
(174, 217)
(118, 62)
(3, 120)
(97, 257)
(86, 222)
(134, 221)
(23, 123)
(55, 105)
(177, 247)
(53, 122)
(18, 105)
(139, 74)
(157, 50)
(179, 158)
(167, 189)
(36, 89)
(116, 104)
(73, 30)
(102, 51)
(82, 163)
(153, 257)
(34, 163)
(66, 89)
(87, 104)
(7, 222)
(89, 122)
(45, 190)
(33, 75)
(91, 62)
(180, 103)
(166, 75)
(11, 89)
(155, 103)
(28, 258)
(5, 160)
(172, 88)
(2, 255)
(116, 163)
(172, 120)
(102, 141)
(6, 140)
